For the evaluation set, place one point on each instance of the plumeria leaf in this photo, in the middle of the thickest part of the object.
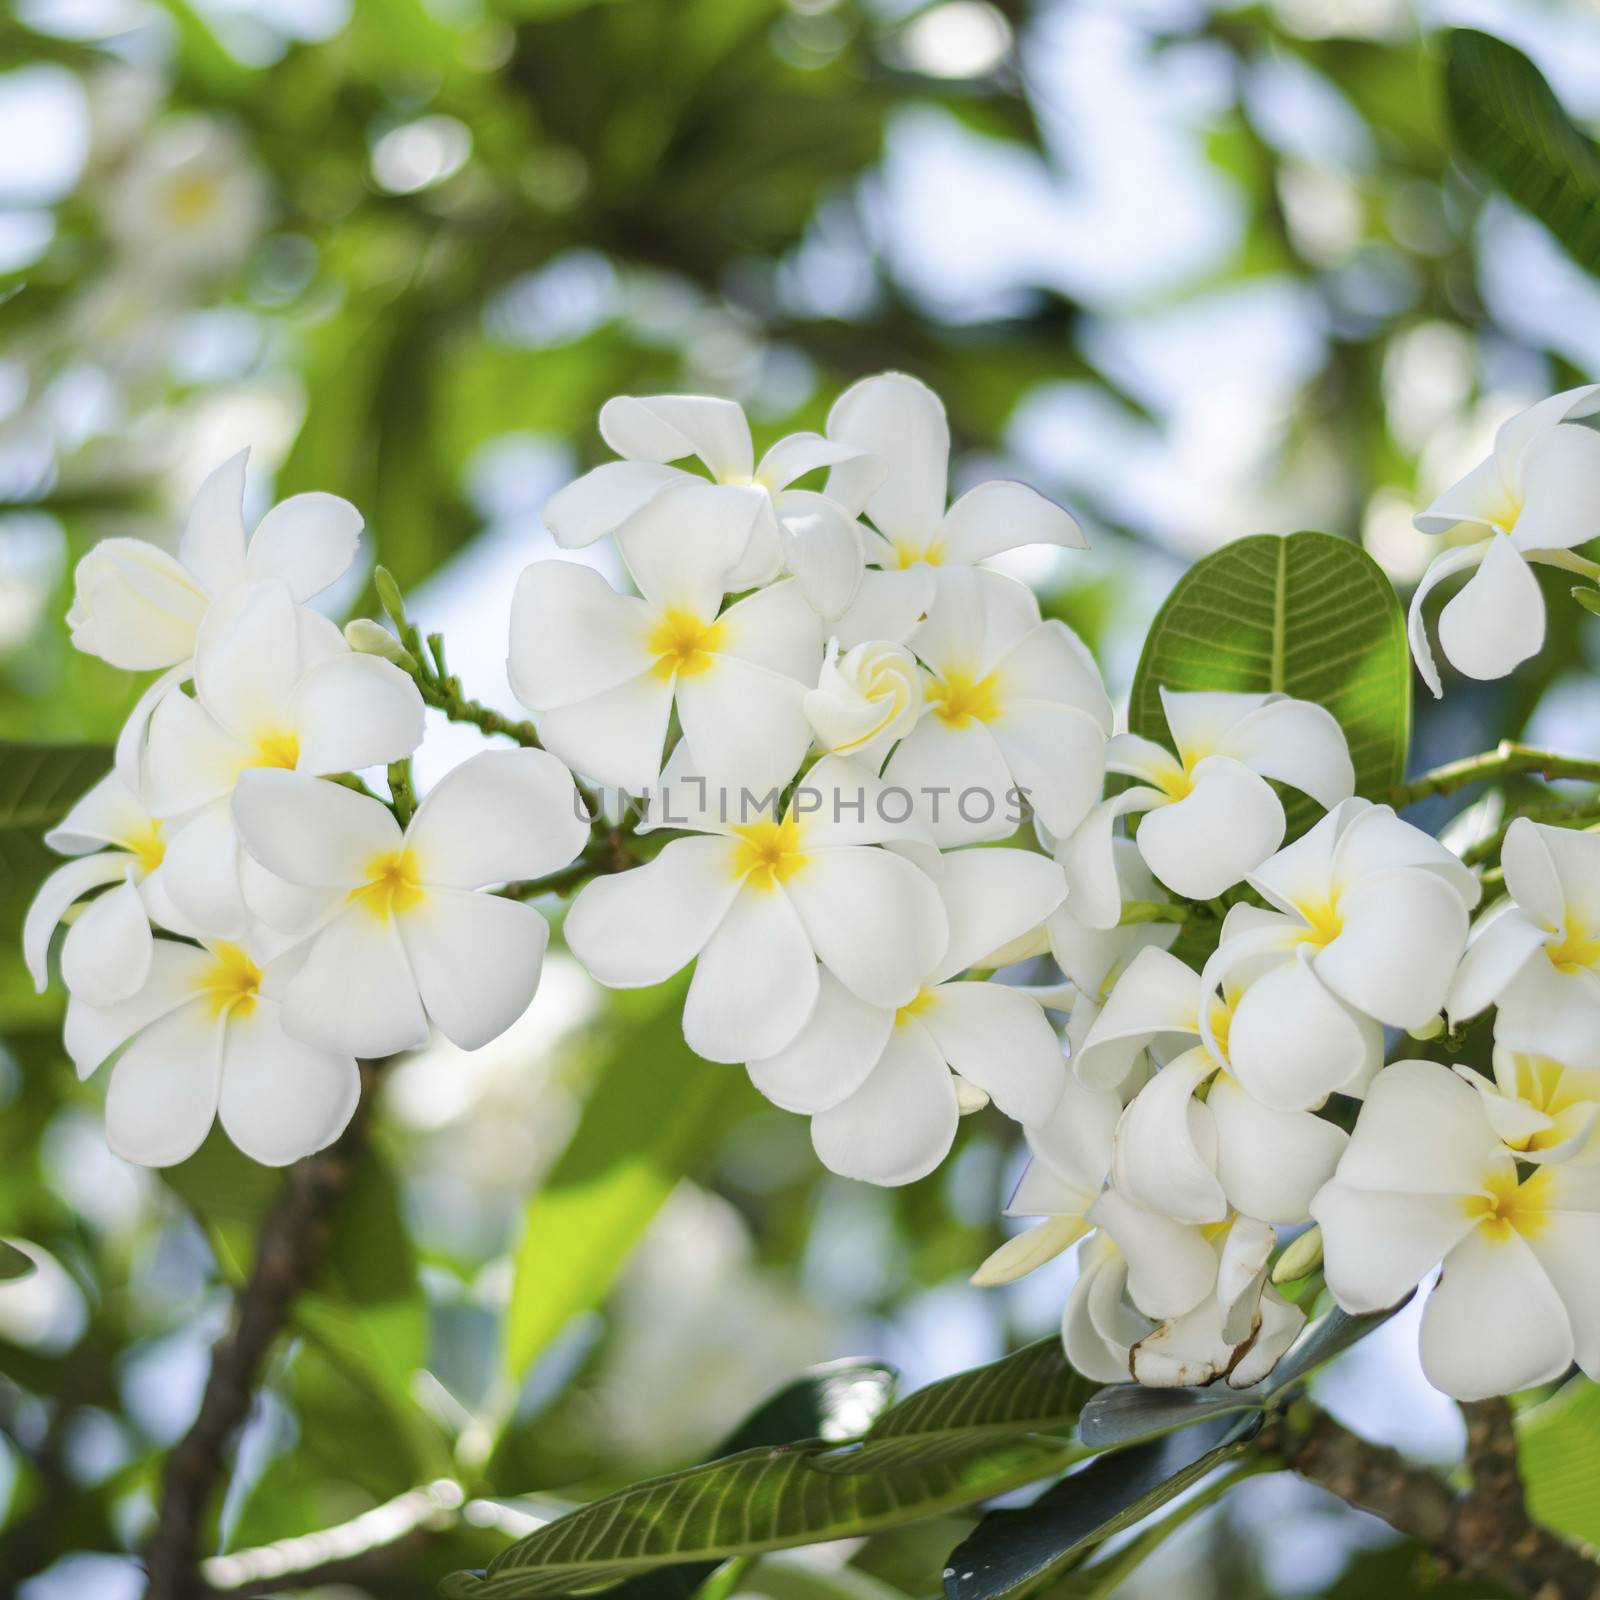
(38, 783)
(1508, 123)
(760, 1500)
(1308, 615)
(1558, 1450)
(1009, 1549)
(1032, 1391)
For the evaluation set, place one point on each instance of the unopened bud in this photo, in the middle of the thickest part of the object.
(1301, 1259)
(373, 639)
(969, 1097)
(389, 593)
(1025, 1251)
(1431, 1029)
(1588, 598)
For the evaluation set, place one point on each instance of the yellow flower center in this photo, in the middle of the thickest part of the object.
(919, 1004)
(277, 748)
(962, 697)
(392, 884)
(192, 199)
(147, 847)
(907, 554)
(683, 644)
(1578, 948)
(1325, 923)
(1221, 1022)
(768, 853)
(230, 984)
(1509, 1206)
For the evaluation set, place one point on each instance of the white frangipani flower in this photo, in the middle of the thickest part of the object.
(811, 535)
(275, 686)
(138, 607)
(404, 938)
(205, 1039)
(758, 904)
(864, 699)
(902, 478)
(604, 670)
(1210, 816)
(1426, 1179)
(1370, 922)
(1197, 1156)
(106, 954)
(877, 1080)
(1013, 708)
(1542, 1110)
(1535, 956)
(1534, 499)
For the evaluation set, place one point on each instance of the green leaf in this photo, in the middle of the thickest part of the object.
(1033, 1391)
(1126, 1412)
(1558, 1449)
(760, 1500)
(14, 1263)
(1011, 1548)
(1507, 122)
(655, 1112)
(1308, 615)
(38, 783)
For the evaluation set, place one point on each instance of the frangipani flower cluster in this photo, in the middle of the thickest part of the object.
(862, 792)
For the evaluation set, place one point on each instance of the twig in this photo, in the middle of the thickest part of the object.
(1486, 1532)
(293, 1239)
(1506, 760)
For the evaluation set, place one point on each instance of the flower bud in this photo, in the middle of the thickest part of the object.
(869, 695)
(1020, 1254)
(1431, 1029)
(373, 639)
(135, 606)
(1301, 1258)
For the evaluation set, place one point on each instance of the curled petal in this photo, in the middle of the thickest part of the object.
(1444, 566)
(667, 427)
(1166, 1146)
(600, 501)
(1497, 619)
(1224, 828)
(307, 541)
(1005, 515)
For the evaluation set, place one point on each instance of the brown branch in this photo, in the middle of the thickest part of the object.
(1486, 1532)
(293, 1240)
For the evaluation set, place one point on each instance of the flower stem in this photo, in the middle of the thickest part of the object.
(1134, 911)
(1506, 760)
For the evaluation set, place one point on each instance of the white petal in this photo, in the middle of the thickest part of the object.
(755, 983)
(775, 628)
(1074, 1141)
(602, 500)
(899, 1125)
(1157, 996)
(212, 547)
(193, 760)
(1136, 757)
(308, 541)
(822, 548)
(1088, 856)
(958, 779)
(831, 1056)
(796, 454)
(1567, 1247)
(282, 1099)
(311, 832)
(639, 927)
(841, 802)
(1025, 1251)
(1088, 956)
(1441, 567)
(1005, 515)
(1560, 473)
(1291, 1043)
(355, 711)
(1222, 830)
(1550, 1012)
(991, 897)
(129, 756)
(874, 920)
(573, 636)
(616, 738)
(1166, 1148)
(1171, 1268)
(1480, 499)
(162, 1096)
(1531, 873)
(999, 1040)
(683, 547)
(1497, 620)
(476, 959)
(1241, 1270)
(106, 954)
(1494, 1323)
(1422, 1131)
(890, 605)
(1378, 1247)
(200, 872)
(1301, 873)
(1402, 934)
(1098, 1325)
(500, 817)
(1201, 721)
(902, 423)
(1270, 1162)
(134, 606)
(979, 618)
(1575, 854)
(1372, 839)
(1280, 1326)
(355, 993)
(1501, 947)
(1186, 1352)
(1298, 743)
(667, 427)
(1057, 758)
(66, 885)
(92, 1033)
(746, 726)
(110, 813)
